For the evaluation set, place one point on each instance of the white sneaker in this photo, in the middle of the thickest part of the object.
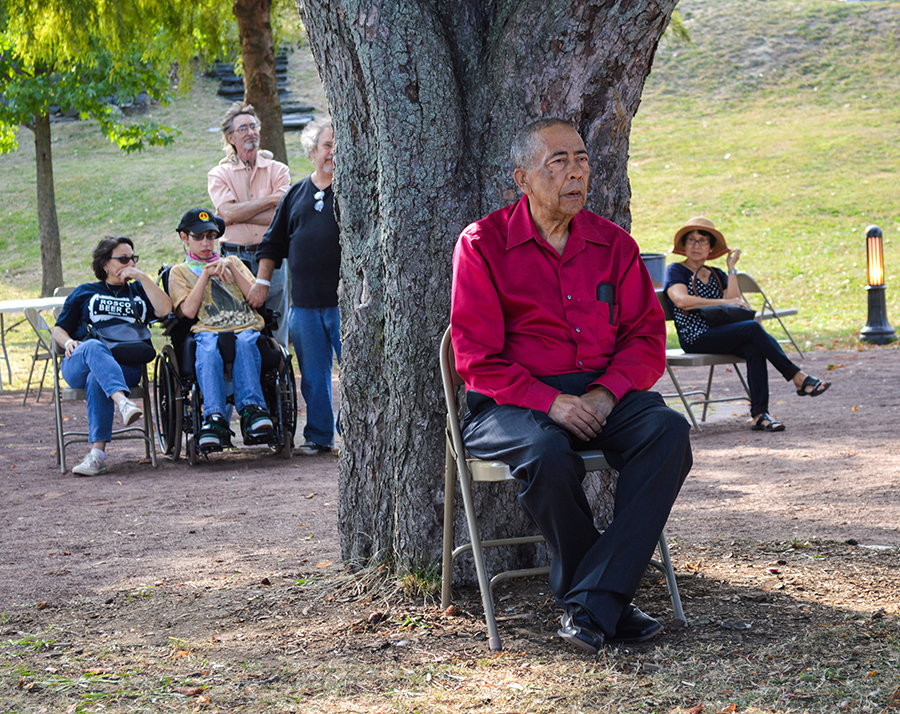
(93, 465)
(130, 411)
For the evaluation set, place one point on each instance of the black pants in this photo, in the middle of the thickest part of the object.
(644, 440)
(748, 339)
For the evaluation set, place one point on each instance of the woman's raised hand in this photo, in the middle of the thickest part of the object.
(733, 256)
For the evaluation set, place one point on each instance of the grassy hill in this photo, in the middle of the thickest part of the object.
(779, 122)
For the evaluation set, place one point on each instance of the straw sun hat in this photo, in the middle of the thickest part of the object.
(699, 223)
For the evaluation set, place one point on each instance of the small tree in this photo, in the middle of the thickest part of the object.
(79, 56)
(31, 88)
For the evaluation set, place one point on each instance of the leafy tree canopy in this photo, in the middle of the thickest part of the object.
(88, 56)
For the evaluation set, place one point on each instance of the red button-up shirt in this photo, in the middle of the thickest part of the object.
(521, 311)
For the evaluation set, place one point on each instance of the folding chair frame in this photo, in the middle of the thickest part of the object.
(475, 470)
(748, 284)
(42, 350)
(680, 358)
(62, 393)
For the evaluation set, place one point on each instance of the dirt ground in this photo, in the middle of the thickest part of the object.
(772, 534)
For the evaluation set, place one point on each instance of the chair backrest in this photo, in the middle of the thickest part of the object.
(451, 380)
(664, 303)
(40, 327)
(64, 290)
(747, 284)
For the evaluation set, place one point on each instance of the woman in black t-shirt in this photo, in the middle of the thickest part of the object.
(122, 294)
(692, 284)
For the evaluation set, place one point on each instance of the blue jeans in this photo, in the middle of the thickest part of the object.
(748, 339)
(211, 372)
(316, 334)
(93, 369)
(279, 292)
(644, 440)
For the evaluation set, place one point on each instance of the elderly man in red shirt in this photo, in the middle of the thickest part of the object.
(558, 334)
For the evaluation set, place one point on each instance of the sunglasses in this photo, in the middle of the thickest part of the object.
(126, 259)
(210, 236)
(320, 200)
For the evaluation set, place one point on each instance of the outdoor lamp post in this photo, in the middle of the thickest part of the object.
(878, 330)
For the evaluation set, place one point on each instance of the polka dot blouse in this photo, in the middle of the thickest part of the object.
(691, 324)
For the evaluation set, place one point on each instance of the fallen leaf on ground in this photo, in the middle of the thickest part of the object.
(325, 564)
(188, 691)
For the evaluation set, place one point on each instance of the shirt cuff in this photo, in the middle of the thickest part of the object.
(540, 396)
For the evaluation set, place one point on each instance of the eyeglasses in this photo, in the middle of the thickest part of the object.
(244, 128)
(696, 241)
(208, 236)
(320, 200)
(126, 259)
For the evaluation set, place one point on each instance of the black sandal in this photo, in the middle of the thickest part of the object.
(767, 423)
(818, 387)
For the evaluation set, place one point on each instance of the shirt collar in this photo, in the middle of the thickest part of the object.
(522, 228)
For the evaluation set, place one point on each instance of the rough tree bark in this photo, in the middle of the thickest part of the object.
(260, 82)
(425, 96)
(48, 224)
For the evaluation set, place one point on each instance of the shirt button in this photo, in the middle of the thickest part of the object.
(577, 329)
(568, 297)
(580, 362)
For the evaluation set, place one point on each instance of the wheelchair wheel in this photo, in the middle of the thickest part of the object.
(285, 410)
(194, 420)
(167, 397)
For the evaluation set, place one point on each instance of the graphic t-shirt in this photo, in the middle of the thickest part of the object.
(102, 304)
(223, 308)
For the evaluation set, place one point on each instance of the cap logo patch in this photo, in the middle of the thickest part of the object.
(203, 216)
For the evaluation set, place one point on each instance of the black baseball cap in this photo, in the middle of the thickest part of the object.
(199, 220)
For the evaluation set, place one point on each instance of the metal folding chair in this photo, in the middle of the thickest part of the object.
(469, 471)
(767, 310)
(42, 350)
(142, 430)
(680, 358)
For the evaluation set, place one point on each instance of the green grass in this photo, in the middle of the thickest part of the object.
(779, 124)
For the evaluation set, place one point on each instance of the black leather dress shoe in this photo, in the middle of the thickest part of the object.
(578, 629)
(635, 626)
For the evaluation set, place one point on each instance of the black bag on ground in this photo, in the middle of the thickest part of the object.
(129, 342)
(716, 315)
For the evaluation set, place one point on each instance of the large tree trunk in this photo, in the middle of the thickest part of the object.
(48, 224)
(260, 83)
(425, 97)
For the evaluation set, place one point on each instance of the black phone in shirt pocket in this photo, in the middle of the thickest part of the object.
(608, 310)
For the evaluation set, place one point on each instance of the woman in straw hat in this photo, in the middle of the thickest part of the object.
(692, 284)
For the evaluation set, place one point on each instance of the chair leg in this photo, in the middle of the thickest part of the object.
(671, 583)
(41, 384)
(34, 358)
(483, 583)
(684, 400)
(790, 337)
(60, 438)
(712, 368)
(447, 560)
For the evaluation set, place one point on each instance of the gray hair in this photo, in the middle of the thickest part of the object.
(310, 136)
(236, 109)
(526, 145)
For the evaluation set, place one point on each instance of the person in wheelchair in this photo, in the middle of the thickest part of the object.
(212, 289)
